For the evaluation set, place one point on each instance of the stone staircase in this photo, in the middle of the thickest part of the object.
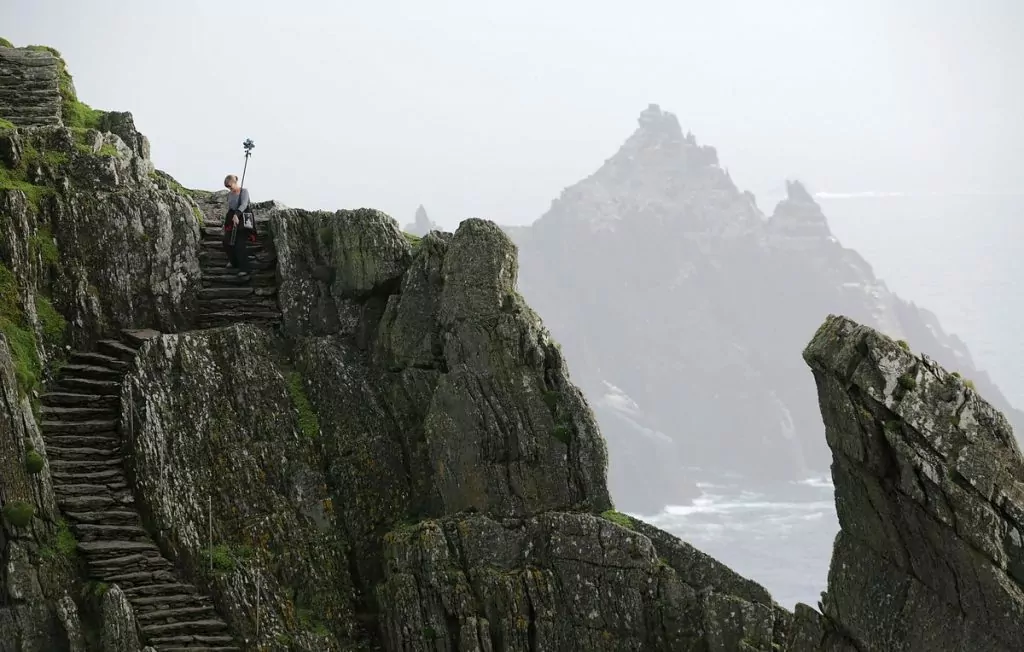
(80, 424)
(29, 87)
(226, 298)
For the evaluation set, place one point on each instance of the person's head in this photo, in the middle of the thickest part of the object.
(231, 182)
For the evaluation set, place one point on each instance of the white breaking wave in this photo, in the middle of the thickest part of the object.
(819, 482)
(857, 195)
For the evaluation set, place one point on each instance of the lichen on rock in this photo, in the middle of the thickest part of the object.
(929, 489)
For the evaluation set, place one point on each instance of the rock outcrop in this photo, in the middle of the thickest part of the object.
(683, 311)
(930, 492)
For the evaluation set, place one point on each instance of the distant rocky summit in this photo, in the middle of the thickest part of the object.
(373, 443)
(422, 224)
(683, 309)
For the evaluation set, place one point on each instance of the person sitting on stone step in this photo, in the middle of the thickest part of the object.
(235, 247)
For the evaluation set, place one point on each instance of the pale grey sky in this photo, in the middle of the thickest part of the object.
(490, 108)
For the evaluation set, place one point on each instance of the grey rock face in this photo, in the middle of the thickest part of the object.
(34, 578)
(330, 263)
(111, 245)
(929, 489)
(683, 309)
(119, 633)
(562, 581)
(217, 430)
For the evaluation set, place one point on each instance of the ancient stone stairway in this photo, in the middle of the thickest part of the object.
(29, 89)
(227, 298)
(80, 424)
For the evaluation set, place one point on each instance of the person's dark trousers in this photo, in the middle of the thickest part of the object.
(239, 254)
(229, 248)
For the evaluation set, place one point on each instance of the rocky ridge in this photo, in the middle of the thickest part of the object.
(683, 310)
(404, 463)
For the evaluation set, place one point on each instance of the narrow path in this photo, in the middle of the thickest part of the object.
(227, 298)
(80, 424)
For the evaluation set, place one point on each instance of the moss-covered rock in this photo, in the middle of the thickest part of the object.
(922, 505)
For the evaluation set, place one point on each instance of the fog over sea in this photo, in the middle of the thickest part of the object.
(957, 255)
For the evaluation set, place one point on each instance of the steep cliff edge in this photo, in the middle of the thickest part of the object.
(930, 493)
(400, 460)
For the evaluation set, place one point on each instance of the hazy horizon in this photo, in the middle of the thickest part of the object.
(491, 111)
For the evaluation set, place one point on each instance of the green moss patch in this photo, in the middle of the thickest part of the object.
(413, 240)
(907, 381)
(53, 323)
(5, 125)
(42, 244)
(19, 513)
(21, 340)
(561, 433)
(903, 345)
(307, 417)
(618, 518)
(5, 43)
(970, 384)
(225, 558)
(34, 462)
(64, 544)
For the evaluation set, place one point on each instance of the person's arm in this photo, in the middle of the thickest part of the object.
(243, 200)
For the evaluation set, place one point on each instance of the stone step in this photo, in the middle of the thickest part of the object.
(72, 490)
(98, 359)
(133, 563)
(138, 579)
(226, 293)
(145, 603)
(200, 648)
(82, 454)
(102, 441)
(85, 466)
(117, 349)
(212, 320)
(180, 614)
(86, 386)
(139, 336)
(95, 503)
(257, 280)
(108, 475)
(213, 259)
(98, 550)
(88, 532)
(215, 244)
(205, 626)
(152, 590)
(79, 427)
(248, 304)
(95, 372)
(78, 414)
(189, 642)
(115, 517)
(78, 399)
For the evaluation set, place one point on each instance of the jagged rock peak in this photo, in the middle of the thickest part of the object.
(796, 191)
(799, 217)
(930, 495)
(421, 224)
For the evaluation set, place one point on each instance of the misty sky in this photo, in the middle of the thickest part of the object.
(490, 108)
